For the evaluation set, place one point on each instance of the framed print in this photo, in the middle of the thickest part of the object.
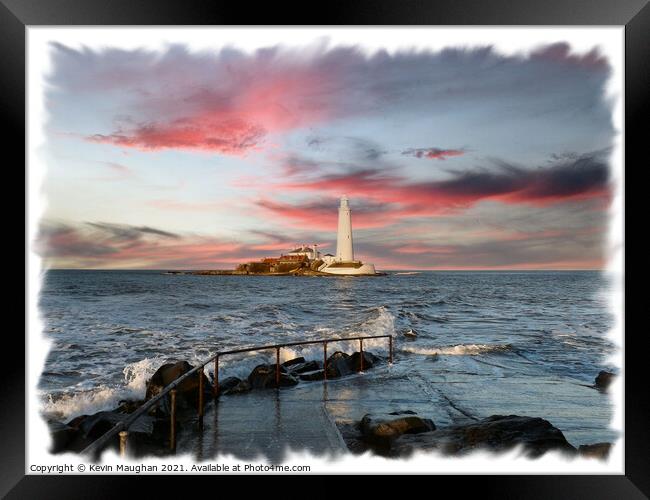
(387, 242)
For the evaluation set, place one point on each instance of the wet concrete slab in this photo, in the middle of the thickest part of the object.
(264, 424)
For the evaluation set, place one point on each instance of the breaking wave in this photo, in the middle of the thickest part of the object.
(65, 406)
(459, 350)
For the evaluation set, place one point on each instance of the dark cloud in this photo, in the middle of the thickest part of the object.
(95, 240)
(561, 53)
(348, 147)
(585, 177)
(128, 232)
(433, 153)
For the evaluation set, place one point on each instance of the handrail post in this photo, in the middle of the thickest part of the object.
(277, 367)
(325, 360)
(215, 389)
(390, 350)
(361, 355)
(172, 427)
(200, 372)
(123, 437)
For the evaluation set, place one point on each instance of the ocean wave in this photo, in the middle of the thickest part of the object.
(68, 405)
(459, 350)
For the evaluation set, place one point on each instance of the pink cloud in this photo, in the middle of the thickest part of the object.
(257, 100)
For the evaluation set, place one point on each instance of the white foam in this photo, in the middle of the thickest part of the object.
(459, 350)
(103, 397)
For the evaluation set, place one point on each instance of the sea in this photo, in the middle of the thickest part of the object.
(488, 342)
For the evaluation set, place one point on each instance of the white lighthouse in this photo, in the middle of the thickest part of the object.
(343, 263)
(344, 252)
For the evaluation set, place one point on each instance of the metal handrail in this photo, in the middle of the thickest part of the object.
(124, 425)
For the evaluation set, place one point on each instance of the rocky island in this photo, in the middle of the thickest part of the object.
(307, 260)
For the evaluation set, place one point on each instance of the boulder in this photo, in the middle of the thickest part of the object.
(187, 392)
(62, 436)
(264, 377)
(411, 334)
(354, 361)
(81, 431)
(315, 375)
(308, 366)
(94, 426)
(495, 433)
(129, 406)
(337, 365)
(294, 361)
(241, 387)
(596, 450)
(384, 429)
(228, 383)
(604, 380)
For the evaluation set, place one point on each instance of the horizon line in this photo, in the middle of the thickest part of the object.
(388, 270)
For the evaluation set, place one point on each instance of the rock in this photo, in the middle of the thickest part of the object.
(354, 361)
(495, 433)
(384, 429)
(94, 426)
(83, 430)
(294, 361)
(242, 387)
(337, 365)
(411, 334)
(129, 406)
(309, 366)
(596, 450)
(186, 391)
(228, 383)
(62, 436)
(264, 377)
(352, 437)
(315, 375)
(604, 380)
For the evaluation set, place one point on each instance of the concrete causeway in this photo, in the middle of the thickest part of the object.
(262, 424)
(265, 423)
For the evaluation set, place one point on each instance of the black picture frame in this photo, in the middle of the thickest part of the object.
(16, 15)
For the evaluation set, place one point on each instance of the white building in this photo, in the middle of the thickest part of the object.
(343, 262)
(311, 253)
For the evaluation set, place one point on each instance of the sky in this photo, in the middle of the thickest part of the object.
(460, 158)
